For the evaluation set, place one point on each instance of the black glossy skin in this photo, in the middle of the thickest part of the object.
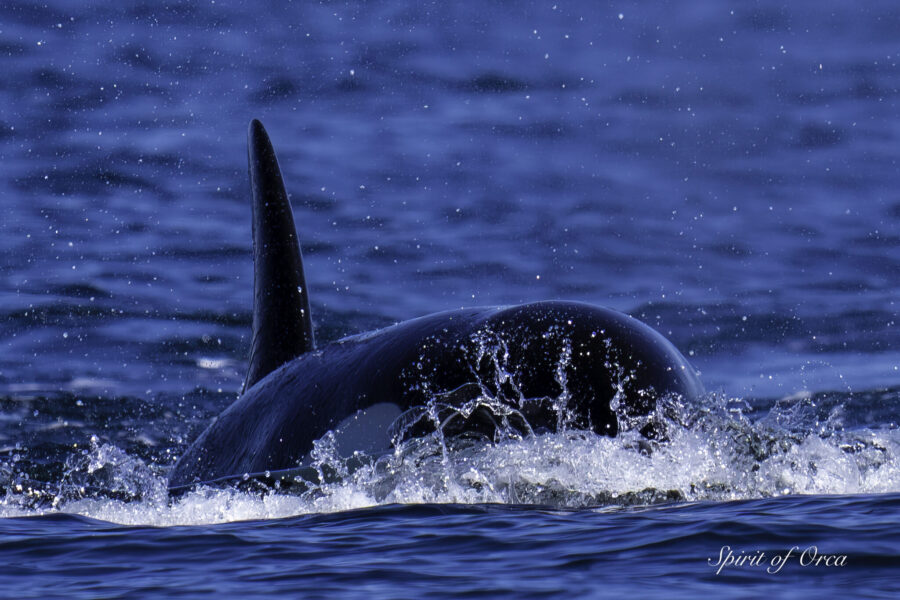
(571, 354)
(282, 323)
(490, 372)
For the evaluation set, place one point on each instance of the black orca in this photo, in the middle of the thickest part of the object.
(486, 372)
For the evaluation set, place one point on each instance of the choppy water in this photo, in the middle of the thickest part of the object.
(725, 171)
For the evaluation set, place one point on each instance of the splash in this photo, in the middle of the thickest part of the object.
(713, 451)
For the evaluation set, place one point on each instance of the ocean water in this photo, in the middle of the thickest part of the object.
(727, 172)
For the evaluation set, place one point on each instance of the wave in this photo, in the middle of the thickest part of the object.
(722, 449)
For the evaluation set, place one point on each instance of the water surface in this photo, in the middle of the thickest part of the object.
(724, 171)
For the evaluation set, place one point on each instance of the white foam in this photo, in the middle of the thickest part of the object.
(718, 455)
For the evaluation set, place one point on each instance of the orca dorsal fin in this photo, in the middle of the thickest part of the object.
(282, 326)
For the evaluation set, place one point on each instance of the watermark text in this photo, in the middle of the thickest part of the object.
(810, 556)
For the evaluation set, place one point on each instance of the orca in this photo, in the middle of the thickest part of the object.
(489, 372)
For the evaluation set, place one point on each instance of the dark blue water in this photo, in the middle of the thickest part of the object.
(725, 171)
(453, 551)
